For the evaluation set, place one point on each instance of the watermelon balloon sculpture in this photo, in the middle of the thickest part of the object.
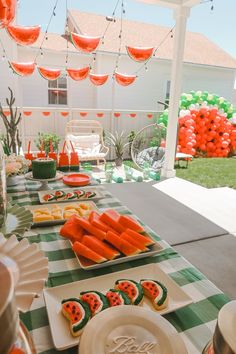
(206, 125)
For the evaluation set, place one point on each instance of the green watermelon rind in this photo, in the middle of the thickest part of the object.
(87, 312)
(123, 295)
(102, 297)
(139, 288)
(164, 289)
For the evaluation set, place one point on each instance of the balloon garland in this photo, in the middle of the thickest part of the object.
(206, 125)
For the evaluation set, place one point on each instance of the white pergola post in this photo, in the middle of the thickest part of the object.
(181, 14)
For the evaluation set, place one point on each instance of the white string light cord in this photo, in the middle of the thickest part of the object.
(67, 36)
(120, 37)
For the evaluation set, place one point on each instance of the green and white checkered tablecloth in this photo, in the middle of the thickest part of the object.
(195, 323)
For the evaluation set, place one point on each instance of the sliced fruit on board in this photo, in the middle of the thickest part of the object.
(60, 194)
(130, 223)
(82, 250)
(85, 224)
(79, 193)
(23, 69)
(110, 219)
(94, 219)
(156, 292)
(89, 195)
(71, 195)
(134, 242)
(100, 247)
(78, 313)
(132, 289)
(123, 79)
(140, 53)
(85, 43)
(78, 74)
(117, 298)
(24, 35)
(145, 240)
(97, 301)
(123, 246)
(49, 197)
(7, 12)
(98, 80)
(49, 74)
(72, 229)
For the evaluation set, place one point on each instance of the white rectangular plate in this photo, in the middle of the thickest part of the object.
(53, 296)
(98, 195)
(50, 206)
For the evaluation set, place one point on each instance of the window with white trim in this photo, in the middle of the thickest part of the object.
(57, 91)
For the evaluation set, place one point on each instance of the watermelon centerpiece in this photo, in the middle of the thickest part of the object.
(117, 298)
(78, 313)
(156, 292)
(23, 69)
(24, 35)
(97, 301)
(132, 289)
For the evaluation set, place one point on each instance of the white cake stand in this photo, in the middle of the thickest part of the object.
(44, 182)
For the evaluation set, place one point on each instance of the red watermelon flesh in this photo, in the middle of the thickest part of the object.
(23, 69)
(132, 289)
(49, 74)
(24, 35)
(72, 230)
(71, 195)
(96, 301)
(99, 247)
(48, 197)
(94, 219)
(133, 241)
(82, 250)
(73, 310)
(117, 298)
(145, 240)
(130, 223)
(112, 220)
(80, 193)
(123, 246)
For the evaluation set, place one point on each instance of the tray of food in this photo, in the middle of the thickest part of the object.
(71, 306)
(54, 214)
(106, 239)
(68, 194)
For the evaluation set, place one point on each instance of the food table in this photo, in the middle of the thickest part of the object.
(195, 322)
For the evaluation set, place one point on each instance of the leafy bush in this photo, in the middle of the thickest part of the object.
(44, 140)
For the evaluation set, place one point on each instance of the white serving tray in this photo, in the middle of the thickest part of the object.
(98, 195)
(59, 325)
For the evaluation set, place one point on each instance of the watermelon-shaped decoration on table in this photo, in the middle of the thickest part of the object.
(49, 74)
(97, 301)
(49, 197)
(7, 12)
(78, 313)
(117, 298)
(24, 35)
(71, 195)
(123, 79)
(140, 53)
(156, 292)
(89, 195)
(78, 74)
(98, 80)
(60, 194)
(85, 43)
(132, 289)
(23, 69)
(79, 193)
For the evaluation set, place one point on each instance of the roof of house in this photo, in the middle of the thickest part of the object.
(198, 48)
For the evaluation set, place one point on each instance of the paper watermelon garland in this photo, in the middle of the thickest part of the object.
(49, 74)
(86, 44)
(124, 79)
(7, 12)
(98, 80)
(78, 74)
(23, 69)
(140, 54)
(24, 35)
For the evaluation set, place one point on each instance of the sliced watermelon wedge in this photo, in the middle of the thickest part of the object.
(134, 242)
(117, 298)
(49, 74)
(111, 218)
(130, 223)
(78, 74)
(78, 313)
(82, 250)
(100, 247)
(123, 246)
(124, 79)
(132, 289)
(24, 35)
(84, 43)
(23, 69)
(145, 240)
(97, 301)
(72, 230)
(140, 53)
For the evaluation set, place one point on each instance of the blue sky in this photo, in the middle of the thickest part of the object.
(218, 25)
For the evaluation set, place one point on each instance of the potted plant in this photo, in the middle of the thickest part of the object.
(118, 142)
(44, 139)
(16, 166)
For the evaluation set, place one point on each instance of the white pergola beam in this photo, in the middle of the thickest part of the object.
(172, 3)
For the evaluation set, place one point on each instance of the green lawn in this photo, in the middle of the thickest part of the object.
(210, 173)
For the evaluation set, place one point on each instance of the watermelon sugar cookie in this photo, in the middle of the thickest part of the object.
(156, 292)
(78, 313)
(59, 195)
(117, 297)
(132, 289)
(79, 193)
(97, 301)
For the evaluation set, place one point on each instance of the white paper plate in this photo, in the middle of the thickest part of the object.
(18, 220)
(29, 267)
(59, 325)
(98, 195)
(130, 329)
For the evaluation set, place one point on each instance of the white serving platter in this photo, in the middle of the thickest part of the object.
(59, 325)
(98, 195)
(32, 208)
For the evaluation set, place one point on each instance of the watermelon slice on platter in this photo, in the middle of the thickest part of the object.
(134, 242)
(132, 289)
(78, 313)
(85, 43)
(49, 197)
(140, 53)
(97, 301)
(23, 69)
(117, 298)
(156, 292)
(130, 223)
(79, 193)
(72, 230)
(123, 246)
(59, 194)
(49, 74)
(124, 79)
(24, 35)
(145, 240)
(71, 195)
(100, 247)
(82, 250)
(89, 195)
(78, 74)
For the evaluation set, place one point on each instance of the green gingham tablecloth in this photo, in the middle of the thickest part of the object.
(195, 322)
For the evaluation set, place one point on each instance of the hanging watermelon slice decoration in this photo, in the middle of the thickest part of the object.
(49, 74)
(98, 80)
(140, 53)
(78, 74)
(124, 80)
(23, 69)
(86, 44)
(7, 12)
(24, 35)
